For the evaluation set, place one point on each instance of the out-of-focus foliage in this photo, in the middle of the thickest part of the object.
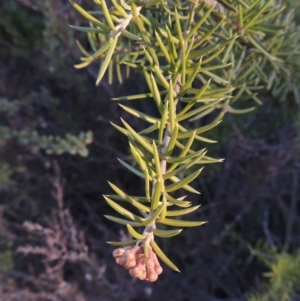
(282, 281)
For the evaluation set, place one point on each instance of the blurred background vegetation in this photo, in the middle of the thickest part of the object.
(58, 149)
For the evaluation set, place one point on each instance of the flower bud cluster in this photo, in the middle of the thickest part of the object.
(139, 266)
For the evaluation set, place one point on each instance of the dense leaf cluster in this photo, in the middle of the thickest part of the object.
(198, 58)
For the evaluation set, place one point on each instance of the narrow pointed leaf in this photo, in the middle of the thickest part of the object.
(138, 137)
(172, 141)
(105, 63)
(126, 213)
(172, 107)
(238, 111)
(156, 93)
(163, 120)
(82, 50)
(133, 97)
(195, 28)
(184, 182)
(182, 168)
(157, 194)
(163, 257)
(82, 65)
(123, 221)
(139, 114)
(157, 162)
(178, 202)
(132, 169)
(182, 223)
(155, 215)
(182, 211)
(191, 78)
(123, 243)
(163, 213)
(228, 5)
(197, 111)
(166, 233)
(160, 76)
(131, 200)
(89, 16)
(182, 158)
(107, 15)
(135, 234)
(162, 47)
(140, 199)
(187, 134)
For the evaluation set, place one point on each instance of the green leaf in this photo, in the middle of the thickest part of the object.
(82, 65)
(89, 16)
(157, 162)
(132, 169)
(138, 137)
(195, 28)
(150, 129)
(107, 60)
(166, 233)
(269, 15)
(158, 188)
(133, 97)
(242, 3)
(184, 159)
(163, 48)
(258, 14)
(172, 107)
(178, 202)
(88, 29)
(156, 93)
(148, 56)
(198, 53)
(181, 223)
(209, 34)
(154, 216)
(183, 168)
(162, 256)
(98, 53)
(202, 114)
(123, 243)
(107, 15)
(139, 157)
(123, 221)
(184, 182)
(163, 120)
(179, 30)
(163, 213)
(188, 133)
(238, 111)
(82, 50)
(228, 5)
(140, 115)
(135, 234)
(119, 8)
(120, 129)
(261, 48)
(123, 211)
(160, 77)
(140, 199)
(182, 211)
(172, 47)
(197, 111)
(172, 141)
(134, 201)
(191, 78)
